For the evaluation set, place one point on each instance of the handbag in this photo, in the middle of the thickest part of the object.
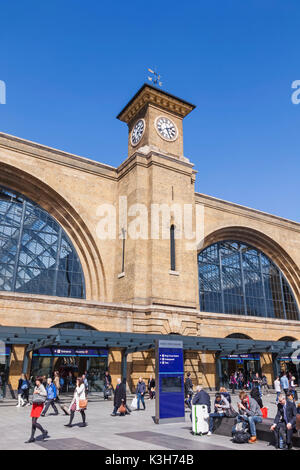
(83, 404)
(230, 412)
(134, 403)
(122, 409)
(38, 399)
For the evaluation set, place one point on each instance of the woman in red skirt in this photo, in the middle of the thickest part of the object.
(38, 401)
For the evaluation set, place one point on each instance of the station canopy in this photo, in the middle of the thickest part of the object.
(36, 338)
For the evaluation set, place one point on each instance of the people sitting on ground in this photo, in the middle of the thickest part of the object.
(256, 395)
(226, 394)
(285, 421)
(221, 405)
(51, 396)
(249, 411)
(284, 383)
(188, 390)
(140, 393)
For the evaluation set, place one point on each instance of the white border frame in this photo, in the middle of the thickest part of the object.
(140, 119)
(161, 136)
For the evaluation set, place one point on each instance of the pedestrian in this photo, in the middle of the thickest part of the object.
(86, 384)
(284, 383)
(79, 403)
(107, 385)
(293, 386)
(221, 405)
(38, 400)
(256, 382)
(21, 388)
(233, 383)
(140, 393)
(250, 412)
(264, 385)
(51, 395)
(256, 395)
(70, 381)
(277, 388)
(119, 397)
(151, 387)
(188, 390)
(285, 420)
(56, 382)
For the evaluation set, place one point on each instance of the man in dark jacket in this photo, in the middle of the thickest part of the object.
(140, 393)
(202, 398)
(107, 386)
(285, 419)
(119, 397)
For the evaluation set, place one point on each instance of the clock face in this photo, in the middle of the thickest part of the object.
(137, 132)
(166, 128)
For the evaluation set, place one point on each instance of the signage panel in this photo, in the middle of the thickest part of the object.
(170, 382)
(70, 352)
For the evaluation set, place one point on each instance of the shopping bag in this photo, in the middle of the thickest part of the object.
(134, 404)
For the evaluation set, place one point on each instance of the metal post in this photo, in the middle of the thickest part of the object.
(124, 366)
(57, 261)
(219, 374)
(221, 280)
(25, 362)
(243, 282)
(282, 294)
(15, 272)
(263, 285)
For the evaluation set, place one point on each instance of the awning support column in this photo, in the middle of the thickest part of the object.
(124, 365)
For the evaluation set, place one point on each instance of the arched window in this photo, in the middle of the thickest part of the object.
(238, 336)
(172, 248)
(74, 326)
(36, 255)
(236, 278)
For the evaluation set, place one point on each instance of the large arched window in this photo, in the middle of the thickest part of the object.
(36, 255)
(236, 278)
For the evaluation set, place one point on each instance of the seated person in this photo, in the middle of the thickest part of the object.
(201, 397)
(249, 410)
(285, 419)
(256, 395)
(221, 405)
(226, 394)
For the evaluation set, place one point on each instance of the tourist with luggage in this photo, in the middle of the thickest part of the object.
(201, 397)
(188, 390)
(250, 412)
(51, 395)
(285, 421)
(78, 403)
(140, 393)
(221, 405)
(38, 401)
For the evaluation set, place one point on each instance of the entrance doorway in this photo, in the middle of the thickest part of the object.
(247, 364)
(71, 363)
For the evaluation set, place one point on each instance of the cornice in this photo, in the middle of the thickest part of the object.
(151, 95)
(59, 157)
(244, 211)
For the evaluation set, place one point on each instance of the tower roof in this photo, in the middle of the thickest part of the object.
(150, 94)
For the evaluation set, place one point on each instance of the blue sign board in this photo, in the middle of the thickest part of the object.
(242, 357)
(5, 350)
(71, 352)
(170, 381)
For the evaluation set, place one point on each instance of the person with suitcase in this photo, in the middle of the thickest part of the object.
(221, 405)
(201, 408)
(285, 421)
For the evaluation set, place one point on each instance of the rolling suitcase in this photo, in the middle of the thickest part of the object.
(200, 419)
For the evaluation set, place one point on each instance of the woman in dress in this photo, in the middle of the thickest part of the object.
(38, 401)
(79, 396)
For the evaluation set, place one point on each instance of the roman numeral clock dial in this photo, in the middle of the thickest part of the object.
(137, 132)
(166, 128)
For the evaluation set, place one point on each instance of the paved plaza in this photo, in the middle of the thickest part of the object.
(131, 432)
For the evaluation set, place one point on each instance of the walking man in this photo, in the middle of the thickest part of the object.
(140, 393)
(51, 396)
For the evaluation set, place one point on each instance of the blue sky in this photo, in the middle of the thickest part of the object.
(71, 66)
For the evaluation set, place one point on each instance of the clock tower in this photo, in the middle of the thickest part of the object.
(154, 118)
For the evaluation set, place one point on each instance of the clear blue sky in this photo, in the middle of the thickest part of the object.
(70, 66)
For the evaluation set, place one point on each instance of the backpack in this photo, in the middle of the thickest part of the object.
(241, 437)
(61, 382)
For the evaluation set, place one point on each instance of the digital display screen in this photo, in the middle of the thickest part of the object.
(171, 385)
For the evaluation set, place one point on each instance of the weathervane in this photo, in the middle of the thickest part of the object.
(155, 79)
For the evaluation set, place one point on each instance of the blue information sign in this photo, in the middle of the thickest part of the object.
(170, 381)
(71, 352)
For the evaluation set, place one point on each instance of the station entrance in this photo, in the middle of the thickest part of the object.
(248, 364)
(71, 363)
